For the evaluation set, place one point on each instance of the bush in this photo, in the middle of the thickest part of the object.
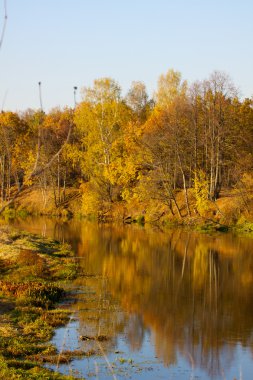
(201, 192)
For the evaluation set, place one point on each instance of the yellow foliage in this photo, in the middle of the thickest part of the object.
(201, 192)
(90, 200)
(247, 180)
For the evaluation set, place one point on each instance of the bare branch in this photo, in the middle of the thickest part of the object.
(4, 23)
(37, 172)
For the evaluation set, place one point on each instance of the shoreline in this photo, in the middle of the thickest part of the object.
(227, 213)
(34, 275)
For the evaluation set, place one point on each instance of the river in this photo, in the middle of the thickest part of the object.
(172, 304)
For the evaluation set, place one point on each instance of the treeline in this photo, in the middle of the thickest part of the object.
(133, 148)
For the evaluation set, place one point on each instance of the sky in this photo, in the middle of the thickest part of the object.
(67, 43)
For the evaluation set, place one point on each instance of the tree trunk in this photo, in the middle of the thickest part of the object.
(177, 208)
(186, 195)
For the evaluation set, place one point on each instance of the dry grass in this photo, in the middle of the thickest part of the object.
(36, 201)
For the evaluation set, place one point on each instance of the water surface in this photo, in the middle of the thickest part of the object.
(174, 304)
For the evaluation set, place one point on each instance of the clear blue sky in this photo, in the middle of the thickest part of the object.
(66, 43)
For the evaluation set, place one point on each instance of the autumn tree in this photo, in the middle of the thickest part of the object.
(168, 136)
(137, 99)
(100, 119)
(12, 138)
(54, 131)
(218, 92)
(31, 160)
(191, 139)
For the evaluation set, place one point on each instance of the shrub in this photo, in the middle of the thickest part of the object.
(201, 192)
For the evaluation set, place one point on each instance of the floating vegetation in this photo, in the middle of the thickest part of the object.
(100, 338)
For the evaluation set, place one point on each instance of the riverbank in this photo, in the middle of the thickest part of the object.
(34, 273)
(231, 211)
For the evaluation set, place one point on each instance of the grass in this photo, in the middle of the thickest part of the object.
(33, 275)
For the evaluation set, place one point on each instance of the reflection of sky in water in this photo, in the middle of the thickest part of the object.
(138, 364)
(188, 300)
(67, 338)
(142, 362)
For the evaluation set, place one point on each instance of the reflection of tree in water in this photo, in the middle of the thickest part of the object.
(193, 291)
(98, 314)
(135, 332)
(193, 296)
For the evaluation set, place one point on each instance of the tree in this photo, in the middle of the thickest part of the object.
(217, 94)
(137, 100)
(173, 136)
(34, 166)
(99, 120)
(54, 129)
(12, 135)
(170, 86)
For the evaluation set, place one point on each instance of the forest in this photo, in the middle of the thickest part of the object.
(173, 156)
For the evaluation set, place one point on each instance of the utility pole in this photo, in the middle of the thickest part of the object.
(41, 107)
(75, 89)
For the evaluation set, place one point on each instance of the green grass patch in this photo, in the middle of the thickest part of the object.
(33, 273)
